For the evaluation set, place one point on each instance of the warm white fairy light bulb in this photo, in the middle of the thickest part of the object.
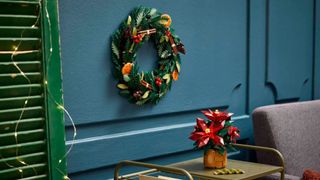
(22, 162)
(60, 107)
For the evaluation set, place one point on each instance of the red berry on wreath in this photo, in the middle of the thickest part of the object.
(137, 38)
(158, 81)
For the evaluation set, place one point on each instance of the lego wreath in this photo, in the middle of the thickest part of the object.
(144, 24)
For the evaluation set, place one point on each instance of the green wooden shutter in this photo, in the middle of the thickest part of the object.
(40, 132)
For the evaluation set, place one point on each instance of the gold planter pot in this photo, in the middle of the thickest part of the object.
(212, 159)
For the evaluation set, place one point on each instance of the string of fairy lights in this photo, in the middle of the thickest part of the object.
(59, 106)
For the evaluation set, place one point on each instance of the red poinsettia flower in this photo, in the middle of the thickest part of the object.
(217, 116)
(234, 133)
(203, 133)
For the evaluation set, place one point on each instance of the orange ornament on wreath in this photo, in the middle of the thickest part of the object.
(175, 75)
(165, 20)
(126, 69)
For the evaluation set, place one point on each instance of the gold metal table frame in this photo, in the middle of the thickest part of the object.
(194, 168)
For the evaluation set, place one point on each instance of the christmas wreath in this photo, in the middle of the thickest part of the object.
(141, 25)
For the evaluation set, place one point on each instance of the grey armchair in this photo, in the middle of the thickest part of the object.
(294, 130)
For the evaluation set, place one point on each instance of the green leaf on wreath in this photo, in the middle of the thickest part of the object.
(122, 86)
(131, 48)
(167, 38)
(141, 102)
(126, 78)
(178, 66)
(160, 49)
(125, 93)
(163, 61)
(134, 31)
(115, 49)
(139, 18)
(162, 39)
(167, 77)
(164, 54)
(152, 12)
(145, 95)
(142, 76)
(129, 20)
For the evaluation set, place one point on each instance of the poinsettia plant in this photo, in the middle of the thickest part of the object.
(217, 132)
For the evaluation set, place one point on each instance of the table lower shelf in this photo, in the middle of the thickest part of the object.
(252, 170)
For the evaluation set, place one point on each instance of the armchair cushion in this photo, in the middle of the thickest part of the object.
(293, 129)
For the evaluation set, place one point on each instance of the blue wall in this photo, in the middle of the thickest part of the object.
(240, 54)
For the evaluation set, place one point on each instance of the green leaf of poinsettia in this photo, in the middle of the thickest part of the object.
(223, 132)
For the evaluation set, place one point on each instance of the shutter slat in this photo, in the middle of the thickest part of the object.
(9, 44)
(24, 148)
(39, 177)
(27, 66)
(28, 112)
(27, 171)
(29, 159)
(27, 7)
(5, 56)
(22, 136)
(16, 31)
(13, 78)
(17, 102)
(20, 90)
(17, 20)
(24, 124)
